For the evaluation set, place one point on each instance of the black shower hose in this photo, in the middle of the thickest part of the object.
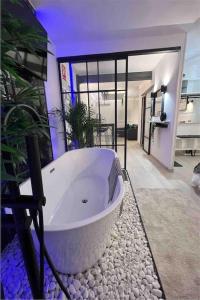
(39, 229)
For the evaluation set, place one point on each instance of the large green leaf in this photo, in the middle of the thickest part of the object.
(81, 121)
(17, 36)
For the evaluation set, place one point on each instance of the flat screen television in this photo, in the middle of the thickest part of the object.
(35, 64)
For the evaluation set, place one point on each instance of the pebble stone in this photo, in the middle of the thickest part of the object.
(124, 272)
(157, 292)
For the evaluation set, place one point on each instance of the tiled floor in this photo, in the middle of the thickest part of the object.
(170, 209)
(147, 172)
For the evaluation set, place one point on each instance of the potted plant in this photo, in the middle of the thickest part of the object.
(81, 125)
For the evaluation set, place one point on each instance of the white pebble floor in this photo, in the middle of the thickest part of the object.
(125, 271)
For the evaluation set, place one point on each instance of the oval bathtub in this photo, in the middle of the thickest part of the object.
(78, 215)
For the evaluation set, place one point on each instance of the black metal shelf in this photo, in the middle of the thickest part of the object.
(160, 124)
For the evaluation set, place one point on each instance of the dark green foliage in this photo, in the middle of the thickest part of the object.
(15, 91)
(82, 125)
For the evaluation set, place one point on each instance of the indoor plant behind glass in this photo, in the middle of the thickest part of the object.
(81, 125)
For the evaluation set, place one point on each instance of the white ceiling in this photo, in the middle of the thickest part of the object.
(84, 21)
(144, 63)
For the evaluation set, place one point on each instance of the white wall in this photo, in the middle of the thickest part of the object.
(189, 120)
(133, 110)
(148, 39)
(108, 112)
(188, 129)
(192, 58)
(191, 67)
(191, 114)
(167, 72)
(192, 73)
(52, 90)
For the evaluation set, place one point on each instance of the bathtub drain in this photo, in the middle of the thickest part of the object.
(84, 201)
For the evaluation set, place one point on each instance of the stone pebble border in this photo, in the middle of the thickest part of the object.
(125, 271)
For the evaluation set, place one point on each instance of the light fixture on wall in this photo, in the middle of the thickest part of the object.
(189, 100)
(153, 95)
(163, 89)
(190, 105)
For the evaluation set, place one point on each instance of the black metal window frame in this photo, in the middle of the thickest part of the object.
(114, 144)
(145, 107)
(142, 121)
(114, 56)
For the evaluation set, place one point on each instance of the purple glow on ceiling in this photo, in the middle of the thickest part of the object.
(54, 22)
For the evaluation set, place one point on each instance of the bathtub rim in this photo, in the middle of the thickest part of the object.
(95, 218)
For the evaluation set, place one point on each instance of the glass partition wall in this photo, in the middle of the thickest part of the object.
(102, 86)
(101, 82)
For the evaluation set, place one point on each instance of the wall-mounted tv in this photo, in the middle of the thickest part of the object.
(32, 63)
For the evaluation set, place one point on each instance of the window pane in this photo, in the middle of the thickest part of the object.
(146, 144)
(107, 75)
(79, 76)
(92, 76)
(84, 98)
(121, 74)
(107, 111)
(147, 121)
(65, 78)
(120, 153)
(148, 101)
(67, 99)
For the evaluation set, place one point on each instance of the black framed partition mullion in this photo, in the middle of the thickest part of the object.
(118, 55)
(147, 126)
(115, 105)
(142, 121)
(99, 106)
(63, 108)
(88, 94)
(126, 107)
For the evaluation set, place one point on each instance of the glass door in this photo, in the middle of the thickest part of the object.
(121, 109)
(146, 123)
(102, 85)
(106, 76)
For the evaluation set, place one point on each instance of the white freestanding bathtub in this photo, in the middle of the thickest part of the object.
(78, 215)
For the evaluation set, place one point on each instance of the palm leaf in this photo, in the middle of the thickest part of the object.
(82, 122)
(17, 37)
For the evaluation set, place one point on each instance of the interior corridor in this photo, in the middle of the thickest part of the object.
(147, 172)
(170, 210)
